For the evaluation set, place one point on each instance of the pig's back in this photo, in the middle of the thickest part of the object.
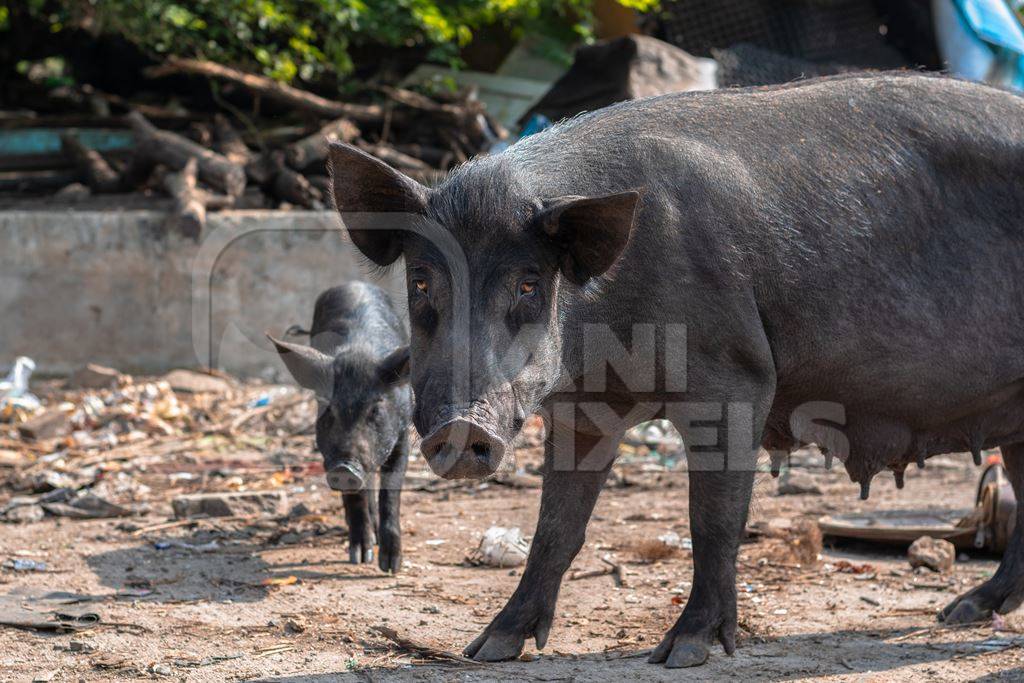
(877, 221)
(357, 313)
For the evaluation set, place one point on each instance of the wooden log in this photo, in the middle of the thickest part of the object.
(94, 169)
(293, 187)
(312, 149)
(175, 150)
(271, 89)
(392, 157)
(228, 141)
(434, 156)
(190, 201)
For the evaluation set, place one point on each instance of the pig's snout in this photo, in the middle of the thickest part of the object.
(347, 477)
(461, 449)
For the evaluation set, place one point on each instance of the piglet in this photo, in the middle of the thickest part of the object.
(357, 364)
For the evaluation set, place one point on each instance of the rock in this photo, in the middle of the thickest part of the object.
(230, 504)
(93, 376)
(624, 69)
(46, 425)
(192, 382)
(81, 646)
(24, 514)
(9, 458)
(73, 192)
(797, 483)
(299, 510)
(934, 553)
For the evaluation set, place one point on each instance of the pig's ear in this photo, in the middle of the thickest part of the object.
(395, 368)
(310, 368)
(590, 232)
(364, 185)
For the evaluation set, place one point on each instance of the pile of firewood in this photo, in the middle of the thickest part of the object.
(221, 159)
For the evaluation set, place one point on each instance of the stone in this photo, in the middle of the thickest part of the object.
(934, 553)
(192, 382)
(46, 425)
(73, 193)
(230, 504)
(24, 514)
(797, 483)
(93, 376)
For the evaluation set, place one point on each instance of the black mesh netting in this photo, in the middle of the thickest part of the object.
(773, 41)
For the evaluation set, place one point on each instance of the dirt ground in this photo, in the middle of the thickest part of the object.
(274, 599)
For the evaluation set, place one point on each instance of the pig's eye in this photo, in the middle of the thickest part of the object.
(420, 285)
(527, 288)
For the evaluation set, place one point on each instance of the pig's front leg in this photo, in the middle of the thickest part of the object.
(567, 499)
(360, 515)
(392, 475)
(718, 513)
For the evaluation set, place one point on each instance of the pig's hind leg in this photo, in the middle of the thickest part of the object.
(392, 475)
(1004, 592)
(567, 499)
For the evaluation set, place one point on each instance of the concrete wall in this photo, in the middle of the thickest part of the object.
(110, 287)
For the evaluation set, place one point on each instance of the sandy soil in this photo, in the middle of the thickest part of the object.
(276, 601)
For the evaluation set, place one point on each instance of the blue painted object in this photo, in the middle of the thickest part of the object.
(982, 40)
(47, 140)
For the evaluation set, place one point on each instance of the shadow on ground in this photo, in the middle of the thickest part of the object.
(216, 567)
(789, 658)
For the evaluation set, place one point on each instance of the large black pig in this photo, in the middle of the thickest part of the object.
(838, 261)
(357, 365)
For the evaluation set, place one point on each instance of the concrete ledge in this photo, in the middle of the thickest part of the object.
(109, 287)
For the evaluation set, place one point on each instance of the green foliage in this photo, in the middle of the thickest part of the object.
(309, 39)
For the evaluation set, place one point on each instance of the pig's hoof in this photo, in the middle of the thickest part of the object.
(679, 652)
(686, 643)
(995, 595)
(505, 636)
(687, 654)
(965, 610)
(390, 559)
(495, 648)
(357, 554)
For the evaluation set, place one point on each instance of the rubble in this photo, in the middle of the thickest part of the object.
(93, 376)
(230, 504)
(193, 382)
(51, 423)
(934, 553)
(797, 483)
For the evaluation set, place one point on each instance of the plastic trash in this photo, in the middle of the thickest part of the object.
(534, 124)
(981, 40)
(14, 393)
(21, 565)
(501, 547)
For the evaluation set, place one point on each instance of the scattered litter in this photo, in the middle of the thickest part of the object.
(197, 547)
(279, 581)
(674, 539)
(426, 651)
(87, 506)
(15, 399)
(845, 567)
(501, 547)
(53, 611)
(18, 564)
(654, 550)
